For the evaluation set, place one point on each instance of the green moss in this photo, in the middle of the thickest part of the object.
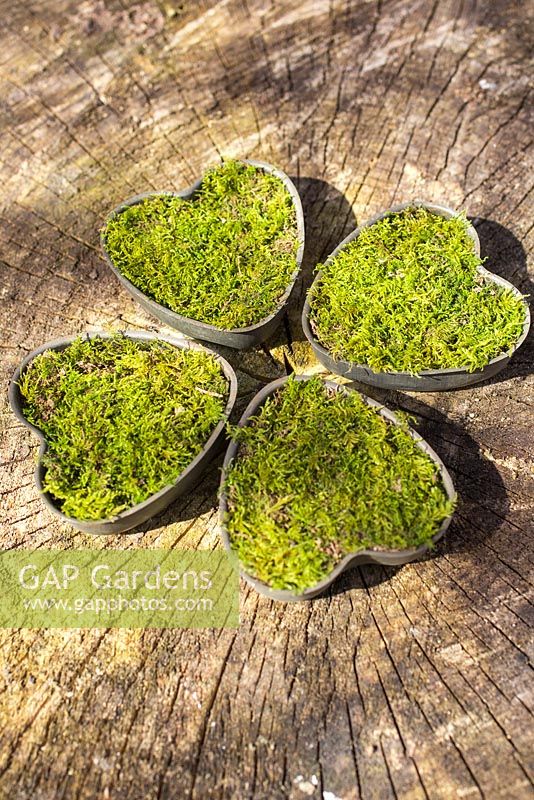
(406, 296)
(122, 419)
(224, 258)
(320, 474)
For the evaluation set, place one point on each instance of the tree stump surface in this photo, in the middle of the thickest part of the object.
(399, 683)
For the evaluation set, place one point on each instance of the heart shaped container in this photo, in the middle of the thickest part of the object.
(238, 338)
(368, 556)
(139, 513)
(431, 380)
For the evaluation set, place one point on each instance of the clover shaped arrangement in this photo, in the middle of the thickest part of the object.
(317, 477)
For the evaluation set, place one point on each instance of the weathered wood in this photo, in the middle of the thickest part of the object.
(410, 683)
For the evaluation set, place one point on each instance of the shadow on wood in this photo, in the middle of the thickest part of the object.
(328, 219)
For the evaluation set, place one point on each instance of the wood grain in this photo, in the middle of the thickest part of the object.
(410, 683)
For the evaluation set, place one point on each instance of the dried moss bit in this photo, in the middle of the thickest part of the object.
(122, 419)
(406, 296)
(224, 258)
(320, 474)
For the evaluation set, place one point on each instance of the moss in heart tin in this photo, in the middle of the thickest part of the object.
(224, 257)
(406, 295)
(122, 419)
(319, 474)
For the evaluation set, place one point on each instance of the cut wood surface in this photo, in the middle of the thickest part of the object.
(399, 683)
